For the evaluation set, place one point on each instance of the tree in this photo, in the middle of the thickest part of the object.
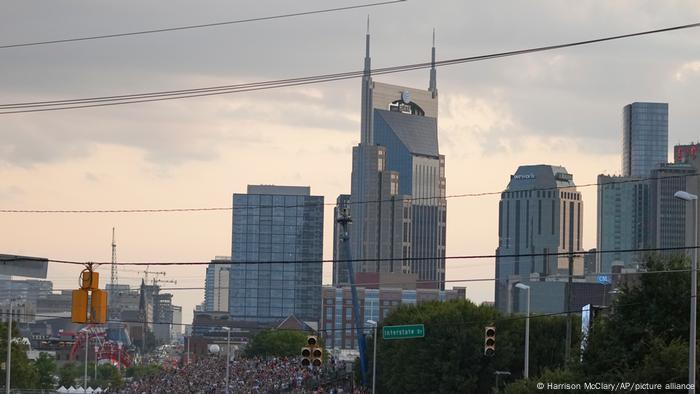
(557, 376)
(107, 376)
(23, 373)
(279, 343)
(46, 369)
(68, 374)
(450, 358)
(646, 333)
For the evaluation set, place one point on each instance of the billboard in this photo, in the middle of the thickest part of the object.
(34, 267)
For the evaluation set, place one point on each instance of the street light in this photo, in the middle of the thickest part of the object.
(374, 361)
(526, 370)
(685, 196)
(228, 352)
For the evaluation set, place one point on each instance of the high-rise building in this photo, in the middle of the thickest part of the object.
(644, 138)
(340, 256)
(216, 287)
(540, 212)
(624, 221)
(668, 214)
(397, 199)
(625, 218)
(338, 325)
(277, 247)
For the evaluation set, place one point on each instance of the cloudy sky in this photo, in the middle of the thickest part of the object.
(561, 107)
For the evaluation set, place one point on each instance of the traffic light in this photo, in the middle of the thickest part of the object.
(89, 294)
(79, 305)
(489, 341)
(306, 356)
(317, 357)
(311, 354)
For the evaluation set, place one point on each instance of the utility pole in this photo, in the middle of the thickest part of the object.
(87, 344)
(344, 220)
(567, 302)
(8, 363)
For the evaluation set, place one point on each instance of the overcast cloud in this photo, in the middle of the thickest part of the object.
(561, 107)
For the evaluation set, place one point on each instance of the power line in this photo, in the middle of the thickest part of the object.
(370, 260)
(312, 203)
(91, 102)
(417, 282)
(199, 26)
(222, 323)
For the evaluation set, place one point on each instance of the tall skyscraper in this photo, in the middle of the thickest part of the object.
(625, 218)
(277, 247)
(624, 221)
(540, 212)
(216, 285)
(397, 199)
(644, 138)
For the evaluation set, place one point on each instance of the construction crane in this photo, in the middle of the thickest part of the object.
(173, 281)
(146, 272)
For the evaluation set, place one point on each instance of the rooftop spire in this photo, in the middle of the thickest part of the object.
(433, 73)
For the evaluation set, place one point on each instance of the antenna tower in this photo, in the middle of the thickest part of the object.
(113, 280)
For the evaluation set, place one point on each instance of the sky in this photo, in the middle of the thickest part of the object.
(561, 108)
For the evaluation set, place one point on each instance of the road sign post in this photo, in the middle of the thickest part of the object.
(403, 332)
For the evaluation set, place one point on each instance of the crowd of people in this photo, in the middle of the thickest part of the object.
(255, 375)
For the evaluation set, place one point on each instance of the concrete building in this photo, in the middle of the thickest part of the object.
(26, 289)
(338, 324)
(644, 138)
(668, 214)
(397, 200)
(624, 220)
(540, 212)
(340, 256)
(277, 248)
(216, 289)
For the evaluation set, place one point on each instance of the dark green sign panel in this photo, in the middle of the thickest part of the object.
(404, 332)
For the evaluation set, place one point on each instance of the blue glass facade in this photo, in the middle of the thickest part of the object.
(273, 229)
(644, 138)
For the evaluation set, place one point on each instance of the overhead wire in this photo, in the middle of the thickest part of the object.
(312, 203)
(223, 323)
(198, 26)
(65, 104)
(580, 253)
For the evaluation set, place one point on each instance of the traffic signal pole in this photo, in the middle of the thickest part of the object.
(343, 220)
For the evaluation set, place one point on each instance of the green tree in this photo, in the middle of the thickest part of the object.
(450, 358)
(279, 343)
(646, 333)
(107, 376)
(69, 374)
(557, 376)
(46, 369)
(23, 373)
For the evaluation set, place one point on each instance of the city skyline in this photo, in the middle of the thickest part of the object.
(494, 117)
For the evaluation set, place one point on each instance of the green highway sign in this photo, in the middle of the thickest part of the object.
(404, 332)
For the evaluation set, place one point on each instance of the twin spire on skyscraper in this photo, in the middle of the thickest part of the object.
(366, 111)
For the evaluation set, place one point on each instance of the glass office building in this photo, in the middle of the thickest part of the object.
(644, 138)
(277, 247)
(624, 221)
(397, 199)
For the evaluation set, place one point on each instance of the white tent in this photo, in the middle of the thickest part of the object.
(62, 390)
(98, 390)
(89, 390)
(73, 390)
